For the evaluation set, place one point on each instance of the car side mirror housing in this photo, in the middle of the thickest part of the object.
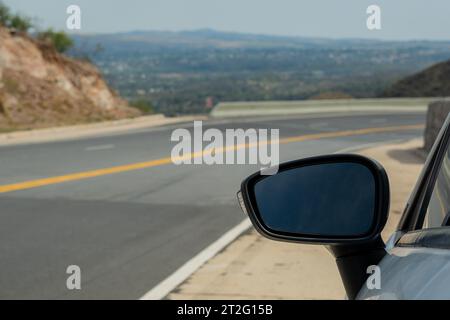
(333, 200)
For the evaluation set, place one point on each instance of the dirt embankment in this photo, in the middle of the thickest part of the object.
(40, 87)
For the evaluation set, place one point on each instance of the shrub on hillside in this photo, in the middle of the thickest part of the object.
(14, 21)
(144, 106)
(5, 15)
(59, 39)
(20, 23)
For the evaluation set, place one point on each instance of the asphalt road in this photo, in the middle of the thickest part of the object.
(129, 230)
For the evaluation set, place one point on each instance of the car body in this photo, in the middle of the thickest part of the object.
(342, 201)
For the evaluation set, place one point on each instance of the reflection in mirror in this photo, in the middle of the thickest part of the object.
(334, 199)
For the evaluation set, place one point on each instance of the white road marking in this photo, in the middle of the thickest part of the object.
(368, 145)
(100, 147)
(319, 124)
(181, 274)
(382, 120)
(268, 118)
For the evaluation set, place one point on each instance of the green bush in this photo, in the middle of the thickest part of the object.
(145, 106)
(59, 39)
(16, 21)
(20, 23)
(4, 15)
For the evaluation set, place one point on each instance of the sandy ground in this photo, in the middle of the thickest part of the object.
(253, 267)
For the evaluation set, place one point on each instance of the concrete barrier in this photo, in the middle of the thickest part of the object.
(268, 108)
(436, 115)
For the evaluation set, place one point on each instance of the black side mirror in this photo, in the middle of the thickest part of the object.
(333, 199)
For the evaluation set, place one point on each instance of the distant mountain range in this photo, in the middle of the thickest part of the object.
(209, 38)
(179, 71)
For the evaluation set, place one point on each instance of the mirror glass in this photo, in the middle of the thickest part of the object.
(330, 199)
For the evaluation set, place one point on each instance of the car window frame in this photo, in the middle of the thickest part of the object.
(415, 211)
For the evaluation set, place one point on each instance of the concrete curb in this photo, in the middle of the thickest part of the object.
(91, 129)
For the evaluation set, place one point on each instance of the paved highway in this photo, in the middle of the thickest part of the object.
(130, 228)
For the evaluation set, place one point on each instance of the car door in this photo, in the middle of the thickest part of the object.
(417, 265)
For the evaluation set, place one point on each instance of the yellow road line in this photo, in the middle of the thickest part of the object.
(159, 162)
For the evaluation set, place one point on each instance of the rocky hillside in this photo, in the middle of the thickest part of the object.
(40, 87)
(431, 82)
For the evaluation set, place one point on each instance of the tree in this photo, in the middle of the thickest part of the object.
(16, 21)
(20, 23)
(59, 39)
(4, 15)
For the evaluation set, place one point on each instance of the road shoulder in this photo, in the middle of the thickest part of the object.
(253, 267)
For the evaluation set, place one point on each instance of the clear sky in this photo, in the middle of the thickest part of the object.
(401, 19)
